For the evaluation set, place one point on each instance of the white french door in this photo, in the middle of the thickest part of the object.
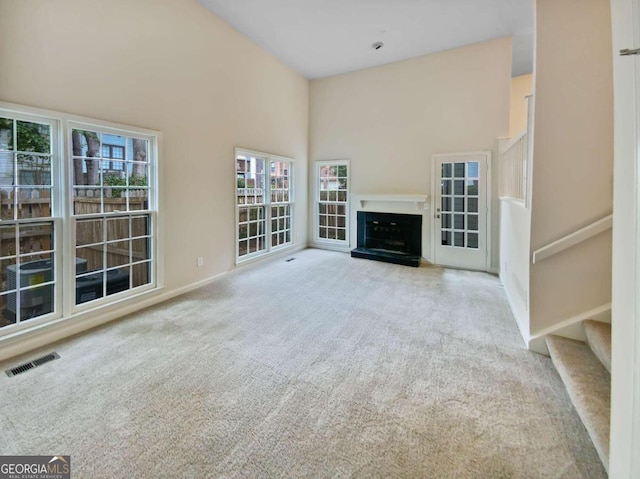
(460, 232)
(624, 460)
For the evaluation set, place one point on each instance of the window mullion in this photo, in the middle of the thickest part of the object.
(268, 216)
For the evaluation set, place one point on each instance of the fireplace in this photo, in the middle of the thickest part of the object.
(390, 237)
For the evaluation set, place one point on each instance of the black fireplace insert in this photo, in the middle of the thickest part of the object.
(389, 237)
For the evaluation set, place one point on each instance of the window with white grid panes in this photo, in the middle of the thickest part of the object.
(111, 208)
(333, 196)
(459, 204)
(28, 252)
(108, 177)
(280, 203)
(264, 203)
(251, 198)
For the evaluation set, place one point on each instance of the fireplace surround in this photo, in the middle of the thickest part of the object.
(389, 237)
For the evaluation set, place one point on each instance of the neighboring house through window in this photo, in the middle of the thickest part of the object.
(113, 152)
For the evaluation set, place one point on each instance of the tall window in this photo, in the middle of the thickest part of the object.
(112, 212)
(105, 219)
(332, 186)
(28, 253)
(264, 203)
(280, 203)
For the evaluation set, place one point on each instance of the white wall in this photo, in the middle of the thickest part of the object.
(168, 65)
(573, 156)
(521, 87)
(172, 66)
(515, 230)
(389, 120)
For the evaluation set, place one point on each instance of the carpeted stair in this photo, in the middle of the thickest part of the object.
(585, 370)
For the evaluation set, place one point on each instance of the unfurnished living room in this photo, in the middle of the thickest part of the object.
(340, 238)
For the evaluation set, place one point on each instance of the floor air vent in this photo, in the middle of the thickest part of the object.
(32, 364)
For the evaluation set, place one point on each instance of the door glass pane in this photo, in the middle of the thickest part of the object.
(458, 239)
(333, 193)
(460, 195)
(446, 238)
(472, 240)
(472, 187)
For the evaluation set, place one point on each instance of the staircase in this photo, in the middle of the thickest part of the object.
(585, 369)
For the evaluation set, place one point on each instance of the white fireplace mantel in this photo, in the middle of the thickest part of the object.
(417, 200)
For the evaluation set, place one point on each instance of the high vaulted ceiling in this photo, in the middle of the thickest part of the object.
(320, 38)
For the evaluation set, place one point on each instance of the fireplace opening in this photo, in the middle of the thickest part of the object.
(389, 237)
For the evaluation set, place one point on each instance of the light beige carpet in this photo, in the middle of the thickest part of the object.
(325, 366)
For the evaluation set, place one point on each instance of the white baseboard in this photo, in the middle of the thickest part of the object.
(29, 339)
(331, 247)
(32, 338)
(570, 328)
(269, 257)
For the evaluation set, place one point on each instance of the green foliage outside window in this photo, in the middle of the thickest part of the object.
(111, 179)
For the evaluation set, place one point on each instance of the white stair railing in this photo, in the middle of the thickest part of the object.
(573, 239)
(513, 167)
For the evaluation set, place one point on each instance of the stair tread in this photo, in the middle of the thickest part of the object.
(599, 339)
(589, 386)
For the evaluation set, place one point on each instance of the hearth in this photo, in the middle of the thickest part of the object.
(389, 237)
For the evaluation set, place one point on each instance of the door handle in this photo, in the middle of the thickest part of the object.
(627, 52)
